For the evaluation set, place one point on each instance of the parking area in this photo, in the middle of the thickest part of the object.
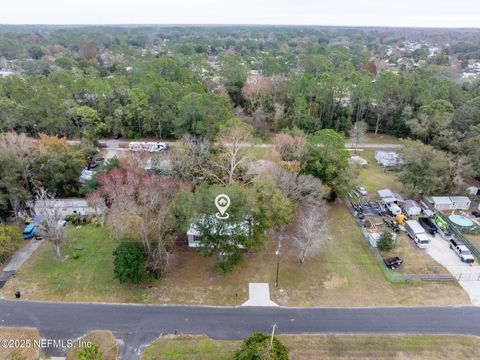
(468, 275)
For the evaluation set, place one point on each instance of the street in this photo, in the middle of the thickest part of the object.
(137, 325)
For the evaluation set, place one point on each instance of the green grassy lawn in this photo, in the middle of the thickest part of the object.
(374, 178)
(90, 277)
(310, 347)
(371, 138)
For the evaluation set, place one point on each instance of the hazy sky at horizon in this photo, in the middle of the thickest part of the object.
(420, 13)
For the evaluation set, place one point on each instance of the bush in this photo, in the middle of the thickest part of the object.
(386, 242)
(10, 240)
(257, 347)
(227, 263)
(129, 262)
(90, 353)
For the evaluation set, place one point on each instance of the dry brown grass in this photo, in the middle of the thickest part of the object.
(325, 347)
(400, 347)
(105, 341)
(21, 352)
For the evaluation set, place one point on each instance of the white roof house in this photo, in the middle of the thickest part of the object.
(229, 229)
(412, 208)
(443, 203)
(389, 196)
(66, 207)
(460, 202)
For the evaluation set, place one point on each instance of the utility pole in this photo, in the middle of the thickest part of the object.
(277, 253)
(273, 334)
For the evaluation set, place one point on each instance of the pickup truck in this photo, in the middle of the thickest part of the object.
(462, 251)
(428, 225)
(393, 263)
(394, 209)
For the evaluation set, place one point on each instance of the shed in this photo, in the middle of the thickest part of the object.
(460, 202)
(389, 159)
(358, 160)
(389, 196)
(412, 208)
(473, 191)
(440, 202)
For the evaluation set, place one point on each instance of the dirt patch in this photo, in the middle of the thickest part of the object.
(334, 281)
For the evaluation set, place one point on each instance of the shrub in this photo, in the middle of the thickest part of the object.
(129, 262)
(257, 347)
(10, 240)
(90, 353)
(386, 242)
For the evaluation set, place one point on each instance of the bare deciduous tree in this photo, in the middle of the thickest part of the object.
(312, 231)
(289, 147)
(140, 207)
(234, 142)
(190, 160)
(302, 189)
(358, 132)
(51, 220)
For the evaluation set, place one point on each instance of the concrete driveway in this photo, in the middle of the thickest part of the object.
(469, 275)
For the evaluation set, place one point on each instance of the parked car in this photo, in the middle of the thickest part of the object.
(476, 214)
(462, 251)
(394, 209)
(394, 262)
(362, 191)
(99, 160)
(428, 225)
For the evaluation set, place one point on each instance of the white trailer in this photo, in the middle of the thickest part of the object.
(417, 233)
(149, 146)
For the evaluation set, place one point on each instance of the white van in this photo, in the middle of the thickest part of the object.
(422, 240)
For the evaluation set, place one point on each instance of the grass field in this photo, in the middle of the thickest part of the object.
(374, 178)
(371, 138)
(327, 279)
(313, 347)
(90, 277)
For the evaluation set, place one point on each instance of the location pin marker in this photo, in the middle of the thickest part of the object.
(222, 202)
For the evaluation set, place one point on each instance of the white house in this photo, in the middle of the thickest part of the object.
(66, 207)
(412, 208)
(460, 202)
(443, 203)
(228, 229)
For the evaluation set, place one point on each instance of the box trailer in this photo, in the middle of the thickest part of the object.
(417, 233)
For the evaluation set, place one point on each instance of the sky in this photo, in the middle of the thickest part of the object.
(404, 13)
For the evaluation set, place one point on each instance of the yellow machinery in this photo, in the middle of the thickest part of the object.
(400, 218)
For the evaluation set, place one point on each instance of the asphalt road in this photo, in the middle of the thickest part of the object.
(137, 325)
